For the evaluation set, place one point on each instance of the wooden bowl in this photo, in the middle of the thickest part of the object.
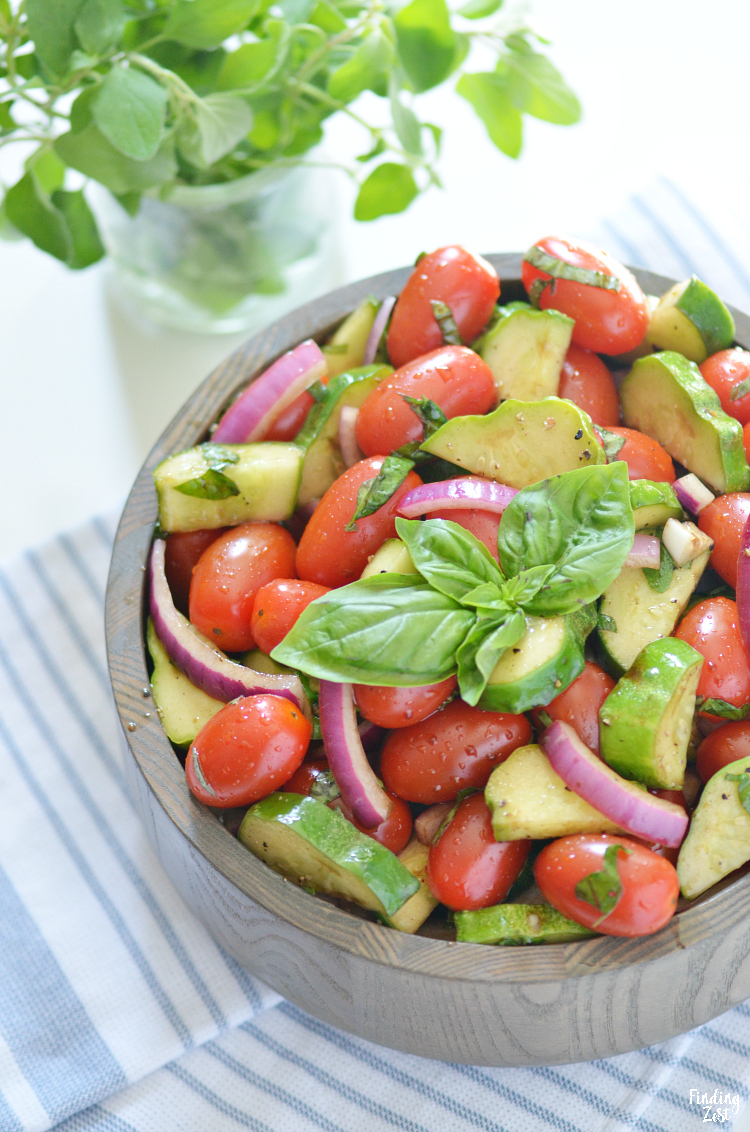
(459, 1002)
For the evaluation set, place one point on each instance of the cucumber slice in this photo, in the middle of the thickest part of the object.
(318, 848)
(266, 476)
(646, 720)
(718, 840)
(318, 437)
(526, 350)
(392, 558)
(691, 319)
(653, 503)
(183, 708)
(509, 924)
(418, 907)
(528, 799)
(521, 442)
(346, 348)
(665, 396)
(636, 614)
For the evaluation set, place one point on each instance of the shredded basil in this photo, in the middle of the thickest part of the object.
(559, 269)
(604, 621)
(447, 323)
(743, 788)
(611, 442)
(722, 708)
(740, 389)
(603, 889)
(213, 484)
(660, 580)
(324, 786)
(375, 493)
(432, 418)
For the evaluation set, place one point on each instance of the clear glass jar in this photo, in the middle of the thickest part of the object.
(229, 257)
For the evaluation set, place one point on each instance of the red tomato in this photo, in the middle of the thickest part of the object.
(587, 382)
(579, 704)
(181, 553)
(250, 748)
(608, 322)
(454, 377)
(303, 778)
(401, 707)
(467, 868)
(328, 554)
(290, 421)
(449, 751)
(746, 441)
(724, 521)
(228, 575)
(650, 887)
(276, 608)
(484, 525)
(712, 628)
(646, 459)
(394, 832)
(723, 371)
(723, 746)
(463, 281)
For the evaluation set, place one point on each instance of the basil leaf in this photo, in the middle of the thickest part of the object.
(426, 42)
(210, 485)
(603, 889)
(385, 630)
(661, 579)
(486, 93)
(559, 269)
(99, 25)
(324, 786)
(219, 456)
(480, 651)
(207, 23)
(536, 86)
(721, 708)
(221, 122)
(611, 443)
(607, 623)
(87, 247)
(581, 522)
(92, 154)
(525, 585)
(389, 188)
(29, 208)
(432, 418)
(487, 596)
(447, 323)
(50, 23)
(743, 788)
(544, 717)
(130, 110)
(367, 69)
(450, 558)
(740, 389)
(375, 493)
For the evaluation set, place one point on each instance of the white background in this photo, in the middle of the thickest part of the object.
(85, 391)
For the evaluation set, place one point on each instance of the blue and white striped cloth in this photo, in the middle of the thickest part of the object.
(118, 1013)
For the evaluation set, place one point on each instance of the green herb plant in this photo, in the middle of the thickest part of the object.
(143, 95)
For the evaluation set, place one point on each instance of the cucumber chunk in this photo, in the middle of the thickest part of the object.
(392, 558)
(646, 720)
(510, 924)
(528, 799)
(665, 396)
(526, 351)
(521, 442)
(347, 346)
(418, 907)
(318, 848)
(183, 708)
(692, 319)
(266, 476)
(718, 840)
(653, 503)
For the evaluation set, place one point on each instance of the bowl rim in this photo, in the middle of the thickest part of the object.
(126, 602)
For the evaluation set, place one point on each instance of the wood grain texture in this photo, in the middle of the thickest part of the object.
(458, 1002)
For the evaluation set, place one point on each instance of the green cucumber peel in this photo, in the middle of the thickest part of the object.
(603, 889)
(721, 708)
(447, 323)
(212, 484)
(559, 269)
(375, 493)
(660, 580)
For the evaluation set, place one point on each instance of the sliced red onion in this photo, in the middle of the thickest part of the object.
(350, 450)
(645, 551)
(743, 588)
(378, 326)
(255, 410)
(692, 494)
(685, 541)
(623, 802)
(430, 820)
(455, 495)
(360, 789)
(203, 664)
(370, 734)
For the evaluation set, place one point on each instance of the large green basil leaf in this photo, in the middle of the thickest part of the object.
(130, 110)
(580, 522)
(388, 189)
(387, 630)
(50, 23)
(450, 558)
(482, 648)
(426, 42)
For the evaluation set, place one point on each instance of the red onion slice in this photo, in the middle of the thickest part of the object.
(743, 588)
(255, 410)
(378, 326)
(685, 541)
(645, 551)
(360, 789)
(350, 450)
(370, 734)
(430, 820)
(692, 494)
(623, 802)
(203, 664)
(458, 494)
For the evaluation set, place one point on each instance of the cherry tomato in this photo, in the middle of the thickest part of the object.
(467, 868)
(579, 704)
(248, 749)
(228, 575)
(723, 371)
(650, 887)
(724, 521)
(606, 321)
(712, 628)
(587, 382)
(394, 832)
(455, 378)
(401, 707)
(463, 281)
(484, 525)
(290, 421)
(723, 746)
(646, 459)
(449, 751)
(181, 553)
(303, 779)
(332, 556)
(276, 608)
(746, 441)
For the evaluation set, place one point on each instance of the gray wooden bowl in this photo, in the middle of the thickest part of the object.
(458, 1002)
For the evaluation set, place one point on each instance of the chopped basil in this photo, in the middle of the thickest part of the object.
(660, 580)
(432, 418)
(447, 323)
(611, 442)
(740, 389)
(743, 788)
(335, 348)
(603, 889)
(324, 786)
(604, 621)
(721, 708)
(375, 493)
(211, 485)
(544, 718)
(559, 269)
